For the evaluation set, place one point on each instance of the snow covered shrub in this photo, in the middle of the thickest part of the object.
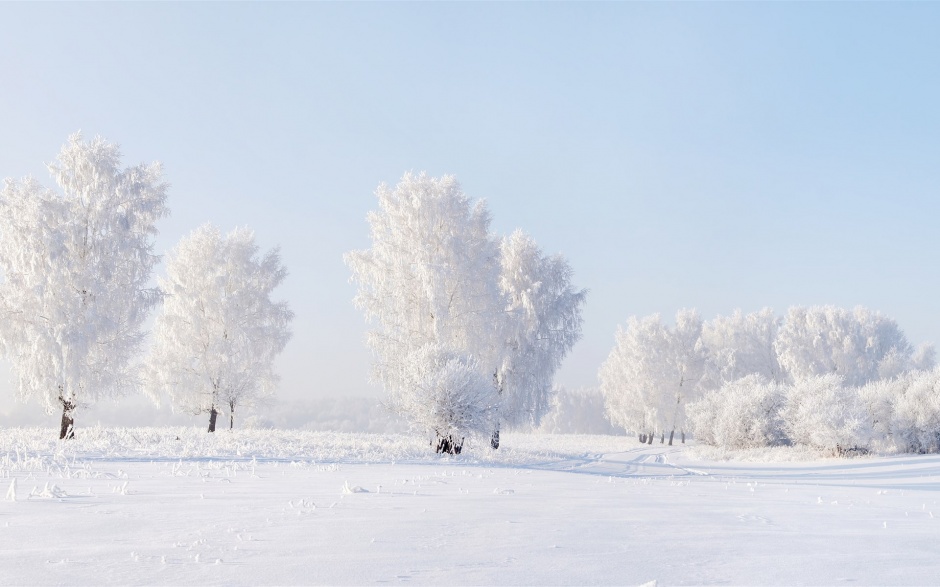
(878, 400)
(822, 413)
(445, 394)
(741, 414)
(916, 424)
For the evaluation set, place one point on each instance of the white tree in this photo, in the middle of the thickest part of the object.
(858, 345)
(436, 277)
(76, 266)
(542, 323)
(652, 372)
(741, 345)
(219, 332)
(431, 279)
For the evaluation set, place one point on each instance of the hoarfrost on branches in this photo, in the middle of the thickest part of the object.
(543, 322)
(859, 345)
(219, 332)
(437, 278)
(76, 264)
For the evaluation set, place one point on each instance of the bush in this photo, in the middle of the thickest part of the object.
(741, 414)
(821, 413)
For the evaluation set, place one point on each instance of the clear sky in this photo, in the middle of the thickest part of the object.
(708, 155)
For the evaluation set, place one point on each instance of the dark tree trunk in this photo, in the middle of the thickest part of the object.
(494, 440)
(671, 434)
(67, 431)
(642, 439)
(213, 414)
(231, 415)
(662, 438)
(683, 437)
(449, 445)
(649, 439)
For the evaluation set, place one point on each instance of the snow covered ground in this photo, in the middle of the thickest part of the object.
(178, 506)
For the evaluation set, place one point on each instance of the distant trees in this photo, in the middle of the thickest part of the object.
(449, 298)
(76, 266)
(823, 377)
(219, 331)
(652, 372)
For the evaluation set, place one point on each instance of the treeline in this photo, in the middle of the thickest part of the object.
(822, 376)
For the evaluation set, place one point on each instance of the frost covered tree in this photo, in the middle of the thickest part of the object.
(652, 372)
(219, 332)
(542, 322)
(437, 278)
(741, 345)
(430, 280)
(76, 265)
(858, 345)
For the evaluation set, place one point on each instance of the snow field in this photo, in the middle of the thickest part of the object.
(266, 507)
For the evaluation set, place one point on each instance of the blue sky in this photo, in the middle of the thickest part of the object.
(712, 155)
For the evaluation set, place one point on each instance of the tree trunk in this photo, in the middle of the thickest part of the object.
(67, 431)
(671, 434)
(649, 439)
(231, 415)
(213, 414)
(683, 437)
(642, 439)
(494, 440)
(662, 438)
(449, 445)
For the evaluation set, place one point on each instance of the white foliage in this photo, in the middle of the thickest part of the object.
(741, 345)
(823, 413)
(444, 393)
(431, 276)
(916, 422)
(741, 414)
(219, 332)
(436, 277)
(858, 345)
(542, 323)
(652, 372)
(76, 265)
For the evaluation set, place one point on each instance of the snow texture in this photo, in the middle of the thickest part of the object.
(179, 506)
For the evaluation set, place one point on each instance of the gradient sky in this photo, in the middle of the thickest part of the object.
(708, 155)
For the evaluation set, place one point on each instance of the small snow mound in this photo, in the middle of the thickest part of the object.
(649, 584)
(347, 489)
